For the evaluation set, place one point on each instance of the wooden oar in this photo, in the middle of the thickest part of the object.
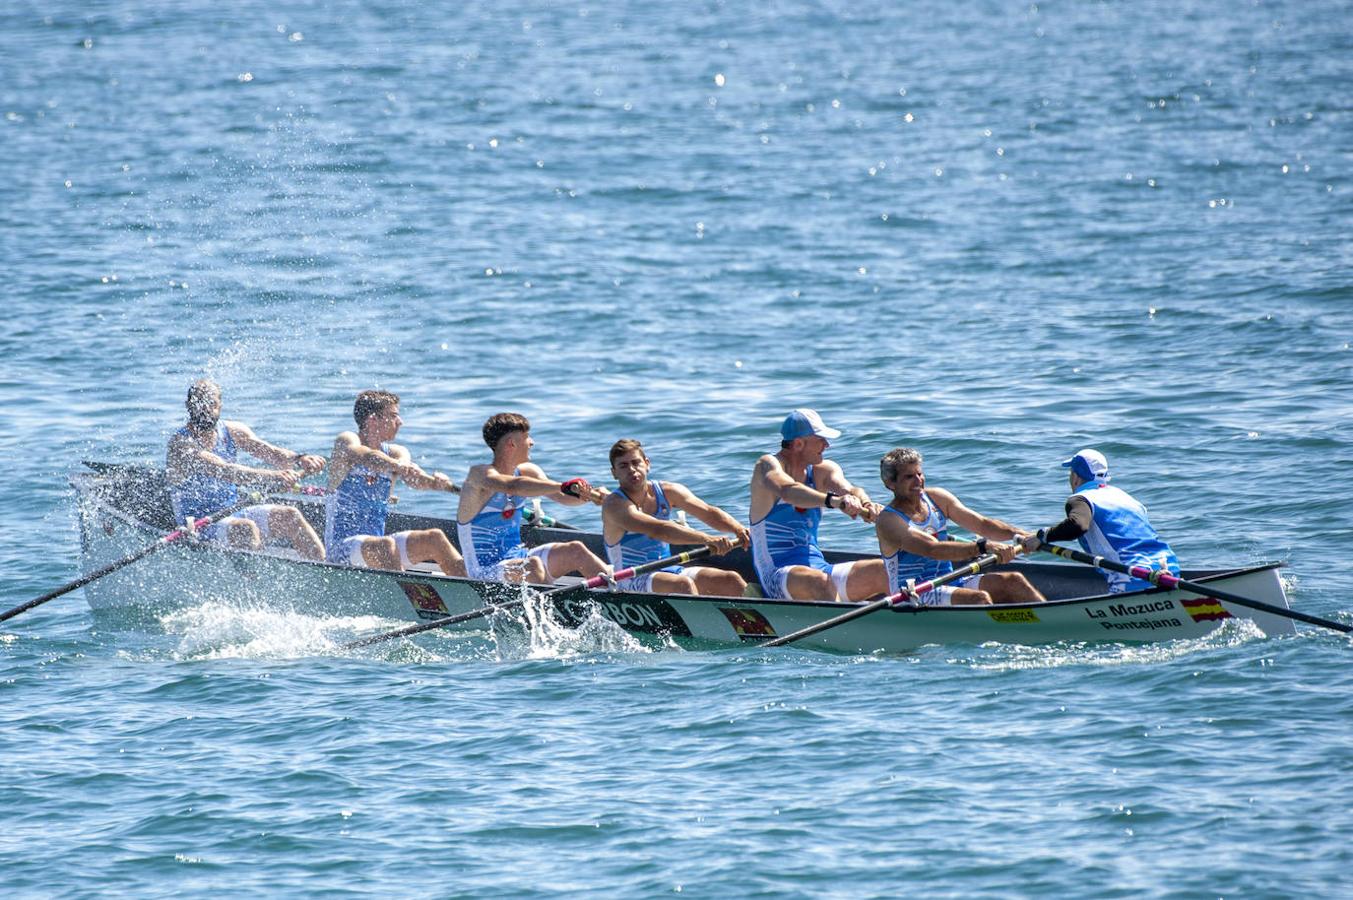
(596, 581)
(160, 544)
(972, 568)
(1174, 582)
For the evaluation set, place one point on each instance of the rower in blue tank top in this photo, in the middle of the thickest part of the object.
(362, 473)
(787, 536)
(903, 565)
(492, 537)
(638, 528)
(203, 475)
(488, 519)
(358, 507)
(916, 547)
(198, 494)
(790, 489)
(1111, 523)
(635, 548)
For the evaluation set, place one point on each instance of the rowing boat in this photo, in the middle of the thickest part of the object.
(122, 508)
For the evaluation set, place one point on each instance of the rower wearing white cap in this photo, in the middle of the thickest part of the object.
(789, 491)
(1108, 522)
(914, 539)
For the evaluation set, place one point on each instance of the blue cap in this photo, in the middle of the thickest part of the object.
(1089, 464)
(803, 422)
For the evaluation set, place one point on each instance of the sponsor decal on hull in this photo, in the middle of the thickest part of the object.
(633, 612)
(1013, 616)
(748, 624)
(427, 603)
(1112, 618)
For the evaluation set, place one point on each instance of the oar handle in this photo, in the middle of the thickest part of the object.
(595, 581)
(1167, 580)
(902, 598)
(676, 559)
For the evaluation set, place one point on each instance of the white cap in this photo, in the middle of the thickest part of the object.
(1089, 465)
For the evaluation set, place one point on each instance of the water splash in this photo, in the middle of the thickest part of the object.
(216, 630)
(537, 634)
(1011, 657)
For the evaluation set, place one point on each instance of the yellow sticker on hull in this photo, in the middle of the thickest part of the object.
(1017, 616)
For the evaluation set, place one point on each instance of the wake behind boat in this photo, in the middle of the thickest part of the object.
(124, 508)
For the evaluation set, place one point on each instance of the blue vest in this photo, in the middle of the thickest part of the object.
(201, 495)
(1121, 532)
(634, 548)
(359, 505)
(902, 565)
(787, 536)
(494, 534)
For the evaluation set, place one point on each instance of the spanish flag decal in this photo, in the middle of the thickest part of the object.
(425, 599)
(748, 624)
(1205, 609)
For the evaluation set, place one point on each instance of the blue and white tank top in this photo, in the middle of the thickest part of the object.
(787, 536)
(201, 495)
(1121, 532)
(634, 548)
(359, 505)
(493, 534)
(903, 566)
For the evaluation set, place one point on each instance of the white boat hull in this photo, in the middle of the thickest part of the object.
(189, 574)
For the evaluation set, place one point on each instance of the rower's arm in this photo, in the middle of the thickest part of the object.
(923, 543)
(681, 497)
(775, 479)
(831, 478)
(273, 455)
(625, 515)
(587, 493)
(534, 484)
(975, 522)
(1079, 517)
(349, 451)
(416, 477)
(186, 457)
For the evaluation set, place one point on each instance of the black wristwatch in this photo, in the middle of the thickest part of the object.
(828, 501)
(981, 546)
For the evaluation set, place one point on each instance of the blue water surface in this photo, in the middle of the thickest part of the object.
(997, 232)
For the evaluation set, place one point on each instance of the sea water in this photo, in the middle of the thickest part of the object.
(996, 232)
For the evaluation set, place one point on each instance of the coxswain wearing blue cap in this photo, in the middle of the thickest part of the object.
(913, 534)
(488, 520)
(790, 489)
(638, 528)
(362, 473)
(204, 478)
(1108, 522)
